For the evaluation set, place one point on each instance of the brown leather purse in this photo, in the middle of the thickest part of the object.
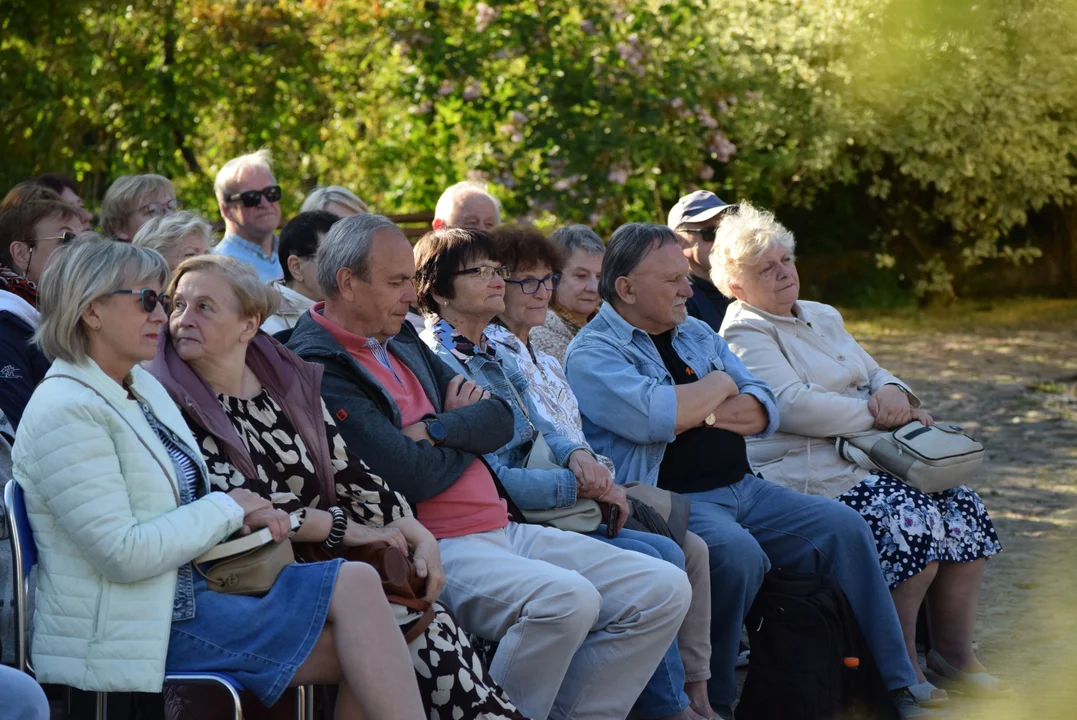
(399, 579)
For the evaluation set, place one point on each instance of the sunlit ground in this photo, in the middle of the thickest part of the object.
(1009, 374)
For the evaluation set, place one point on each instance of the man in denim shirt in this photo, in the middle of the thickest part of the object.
(664, 397)
(249, 200)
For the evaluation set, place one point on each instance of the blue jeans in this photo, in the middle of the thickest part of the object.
(753, 523)
(664, 693)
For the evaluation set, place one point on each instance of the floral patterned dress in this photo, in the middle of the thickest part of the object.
(452, 679)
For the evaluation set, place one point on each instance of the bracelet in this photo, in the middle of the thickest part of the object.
(340, 526)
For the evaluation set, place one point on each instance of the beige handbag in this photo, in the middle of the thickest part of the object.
(583, 517)
(247, 565)
(931, 458)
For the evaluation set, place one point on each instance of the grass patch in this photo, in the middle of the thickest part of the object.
(1048, 387)
(984, 317)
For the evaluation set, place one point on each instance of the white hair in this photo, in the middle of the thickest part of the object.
(740, 242)
(232, 169)
(321, 197)
(165, 233)
(449, 198)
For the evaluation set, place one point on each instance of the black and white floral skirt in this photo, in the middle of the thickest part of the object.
(913, 528)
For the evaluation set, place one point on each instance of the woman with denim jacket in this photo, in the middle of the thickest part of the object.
(120, 505)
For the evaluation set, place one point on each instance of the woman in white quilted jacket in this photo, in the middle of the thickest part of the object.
(827, 385)
(119, 505)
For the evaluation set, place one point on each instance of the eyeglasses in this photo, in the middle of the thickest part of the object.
(486, 272)
(159, 209)
(149, 298)
(252, 198)
(530, 286)
(64, 239)
(705, 234)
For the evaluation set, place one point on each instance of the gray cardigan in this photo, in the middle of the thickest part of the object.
(369, 418)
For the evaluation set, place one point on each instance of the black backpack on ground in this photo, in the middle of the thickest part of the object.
(804, 637)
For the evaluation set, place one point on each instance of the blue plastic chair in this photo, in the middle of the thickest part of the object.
(24, 557)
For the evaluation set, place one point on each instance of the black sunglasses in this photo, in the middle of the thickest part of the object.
(530, 286)
(252, 198)
(149, 298)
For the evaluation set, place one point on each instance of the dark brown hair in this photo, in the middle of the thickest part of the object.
(17, 223)
(439, 254)
(27, 192)
(57, 182)
(521, 247)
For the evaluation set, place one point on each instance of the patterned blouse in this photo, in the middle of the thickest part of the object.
(552, 394)
(286, 474)
(554, 336)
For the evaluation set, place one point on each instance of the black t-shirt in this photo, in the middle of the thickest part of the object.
(701, 458)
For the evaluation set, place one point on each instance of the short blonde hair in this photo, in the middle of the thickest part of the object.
(741, 240)
(226, 176)
(321, 197)
(254, 296)
(127, 195)
(87, 269)
(165, 233)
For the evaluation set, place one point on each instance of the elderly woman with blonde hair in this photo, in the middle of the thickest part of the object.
(336, 199)
(257, 415)
(177, 237)
(827, 385)
(120, 506)
(133, 200)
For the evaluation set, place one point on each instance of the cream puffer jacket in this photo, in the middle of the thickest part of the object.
(103, 502)
(822, 379)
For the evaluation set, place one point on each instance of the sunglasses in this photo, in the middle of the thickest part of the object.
(149, 298)
(252, 198)
(530, 286)
(64, 239)
(159, 209)
(708, 234)
(486, 272)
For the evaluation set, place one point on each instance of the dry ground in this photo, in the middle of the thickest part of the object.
(1009, 374)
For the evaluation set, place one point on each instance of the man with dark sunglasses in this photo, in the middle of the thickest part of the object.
(249, 200)
(29, 236)
(694, 219)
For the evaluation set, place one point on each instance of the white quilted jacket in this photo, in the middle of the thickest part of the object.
(103, 504)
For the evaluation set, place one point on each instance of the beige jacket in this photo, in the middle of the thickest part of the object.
(822, 379)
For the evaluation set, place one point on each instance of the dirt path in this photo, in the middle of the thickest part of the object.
(1017, 392)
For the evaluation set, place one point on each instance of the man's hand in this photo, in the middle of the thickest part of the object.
(592, 477)
(726, 384)
(890, 407)
(417, 432)
(462, 392)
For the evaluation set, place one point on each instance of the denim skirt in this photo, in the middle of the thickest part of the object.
(258, 641)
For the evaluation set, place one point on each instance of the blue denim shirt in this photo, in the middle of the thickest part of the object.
(627, 397)
(268, 267)
(530, 489)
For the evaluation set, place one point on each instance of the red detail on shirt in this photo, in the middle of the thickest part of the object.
(471, 504)
(342, 414)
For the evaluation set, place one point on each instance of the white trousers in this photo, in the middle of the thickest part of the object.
(582, 625)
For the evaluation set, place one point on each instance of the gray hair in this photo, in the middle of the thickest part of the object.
(79, 273)
(448, 199)
(348, 245)
(126, 195)
(629, 245)
(321, 197)
(232, 169)
(165, 233)
(741, 240)
(578, 237)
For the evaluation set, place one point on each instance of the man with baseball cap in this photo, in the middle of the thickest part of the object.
(694, 219)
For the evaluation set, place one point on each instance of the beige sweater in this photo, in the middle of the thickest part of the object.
(822, 379)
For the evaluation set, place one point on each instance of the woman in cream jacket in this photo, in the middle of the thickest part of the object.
(827, 385)
(119, 506)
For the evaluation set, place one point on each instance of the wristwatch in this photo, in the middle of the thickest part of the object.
(710, 420)
(435, 429)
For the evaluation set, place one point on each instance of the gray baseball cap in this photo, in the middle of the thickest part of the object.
(696, 207)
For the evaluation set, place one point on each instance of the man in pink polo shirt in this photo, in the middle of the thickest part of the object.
(581, 625)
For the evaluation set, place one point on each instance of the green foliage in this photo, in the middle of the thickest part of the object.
(924, 134)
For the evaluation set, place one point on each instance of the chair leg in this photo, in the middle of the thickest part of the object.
(101, 706)
(301, 702)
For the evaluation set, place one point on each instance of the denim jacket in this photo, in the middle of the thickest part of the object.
(530, 489)
(627, 397)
